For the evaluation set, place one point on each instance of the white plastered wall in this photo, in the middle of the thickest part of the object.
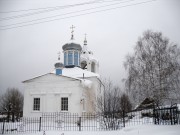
(50, 88)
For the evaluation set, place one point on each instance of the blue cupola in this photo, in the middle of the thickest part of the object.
(58, 66)
(72, 52)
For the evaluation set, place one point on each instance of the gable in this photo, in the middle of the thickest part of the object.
(49, 77)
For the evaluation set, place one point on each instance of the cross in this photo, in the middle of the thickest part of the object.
(72, 27)
(72, 36)
(85, 41)
(59, 53)
(85, 35)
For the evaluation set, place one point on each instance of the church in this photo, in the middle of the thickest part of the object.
(73, 86)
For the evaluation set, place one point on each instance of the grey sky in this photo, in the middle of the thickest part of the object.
(30, 51)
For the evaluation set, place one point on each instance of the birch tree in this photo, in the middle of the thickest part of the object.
(153, 69)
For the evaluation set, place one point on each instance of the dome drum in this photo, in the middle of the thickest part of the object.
(72, 54)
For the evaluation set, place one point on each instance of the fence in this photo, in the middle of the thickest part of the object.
(167, 116)
(90, 122)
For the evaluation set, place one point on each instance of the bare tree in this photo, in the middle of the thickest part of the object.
(110, 102)
(114, 105)
(125, 102)
(153, 69)
(126, 106)
(12, 102)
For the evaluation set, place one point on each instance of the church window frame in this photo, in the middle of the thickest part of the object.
(70, 57)
(64, 103)
(36, 104)
(76, 58)
(65, 58)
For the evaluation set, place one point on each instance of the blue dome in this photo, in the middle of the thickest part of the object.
(72, 53)
(72, 46)
(58, 65)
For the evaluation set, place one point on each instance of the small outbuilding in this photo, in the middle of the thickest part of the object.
(148, 103)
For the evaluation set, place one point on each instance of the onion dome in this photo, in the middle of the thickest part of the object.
(72, 52)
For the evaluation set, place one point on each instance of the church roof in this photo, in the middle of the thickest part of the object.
(84, 82)
(72, 46)
(51, 74)
(73, 73)
(77, 72)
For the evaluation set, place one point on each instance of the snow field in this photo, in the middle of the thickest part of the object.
(131, 130)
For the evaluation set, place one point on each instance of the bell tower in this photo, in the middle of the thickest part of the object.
(88, 61)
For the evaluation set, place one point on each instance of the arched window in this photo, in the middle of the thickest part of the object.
(93, 67)
(84, 65)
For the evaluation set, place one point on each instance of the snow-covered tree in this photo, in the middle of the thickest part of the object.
(153, 69)
(12, 102)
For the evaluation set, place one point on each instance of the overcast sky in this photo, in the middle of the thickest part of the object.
(112, 27)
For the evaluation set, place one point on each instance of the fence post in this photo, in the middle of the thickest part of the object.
(40, 124)
(177, 116)
(154, 115)
(3, 126)
(12, 116)
(123, 118)
(79, 123)
(171, 116)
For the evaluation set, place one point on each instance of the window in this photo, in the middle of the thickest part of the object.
(70, 55)
(76, 59)
(84, 105)
(64, 104)
(36, 105)
(93, 67)
(65, 59)
(84, 65)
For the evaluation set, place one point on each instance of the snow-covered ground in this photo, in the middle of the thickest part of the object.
(134, 122)
(131, 130)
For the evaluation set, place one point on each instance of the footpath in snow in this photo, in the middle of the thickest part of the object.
(132, 130)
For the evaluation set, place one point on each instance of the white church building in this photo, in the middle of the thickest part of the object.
(73, 86)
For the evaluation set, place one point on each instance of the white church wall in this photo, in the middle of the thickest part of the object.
(96, 93)
(90, 95)
(50, 89)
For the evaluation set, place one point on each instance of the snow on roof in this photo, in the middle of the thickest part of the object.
(52, 74)
(86, 83)
(74, 73)
(88, 57)
(87, 54)
(77, 72)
